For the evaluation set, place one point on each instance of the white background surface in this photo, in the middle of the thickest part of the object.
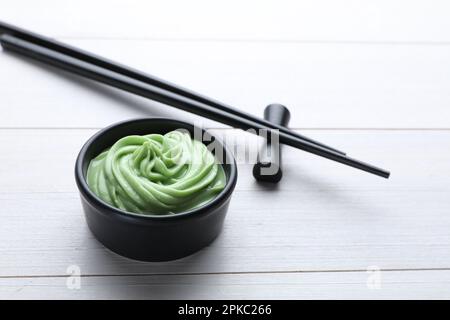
(370, 77)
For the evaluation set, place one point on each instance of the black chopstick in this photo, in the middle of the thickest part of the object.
(146, 78)
(137, 87)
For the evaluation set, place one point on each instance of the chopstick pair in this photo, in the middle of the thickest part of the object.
(138, 75)
(104, 71)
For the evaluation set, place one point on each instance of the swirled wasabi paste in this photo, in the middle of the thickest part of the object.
(156, 174)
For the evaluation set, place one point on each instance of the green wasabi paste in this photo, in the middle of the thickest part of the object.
(156, 174)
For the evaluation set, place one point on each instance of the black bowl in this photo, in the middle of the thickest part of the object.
(151, 237)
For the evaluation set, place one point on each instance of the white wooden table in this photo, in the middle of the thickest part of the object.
(369, 77)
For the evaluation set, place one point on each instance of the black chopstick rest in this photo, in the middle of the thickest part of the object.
(268, 165)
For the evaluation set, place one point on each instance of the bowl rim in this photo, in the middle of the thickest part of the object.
(93, 199)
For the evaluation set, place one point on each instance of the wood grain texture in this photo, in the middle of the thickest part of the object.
(329, 285)
(322, 216)
(324, 85)
(356, 65)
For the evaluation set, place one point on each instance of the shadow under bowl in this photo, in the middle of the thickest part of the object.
(152, 237)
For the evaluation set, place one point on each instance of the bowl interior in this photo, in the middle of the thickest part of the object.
(108, 136)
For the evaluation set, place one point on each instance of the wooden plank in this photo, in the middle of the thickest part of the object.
(336, 65)
(323, 20)
(322, 216)
(324, 85)
(330, 285)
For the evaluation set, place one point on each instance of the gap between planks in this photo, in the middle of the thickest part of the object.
(264, 41)
(222, 273)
